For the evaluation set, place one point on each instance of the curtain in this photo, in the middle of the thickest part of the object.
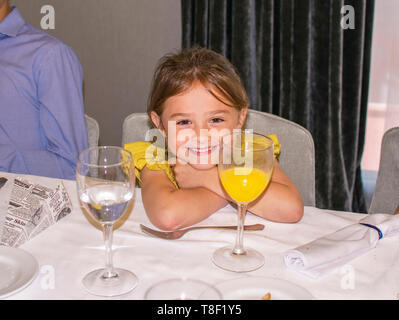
(297, 61)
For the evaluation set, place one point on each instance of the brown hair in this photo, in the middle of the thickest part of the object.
(176, 73)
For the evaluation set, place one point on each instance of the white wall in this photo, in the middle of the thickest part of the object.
(118, 43)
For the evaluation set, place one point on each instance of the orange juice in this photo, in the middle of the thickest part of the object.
(244, 184)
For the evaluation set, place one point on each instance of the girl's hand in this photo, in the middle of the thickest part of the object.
(188, 177)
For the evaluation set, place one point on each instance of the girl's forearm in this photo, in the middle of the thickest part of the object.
(278, 203)
(184, 207)
(212, 183)
(281, 201)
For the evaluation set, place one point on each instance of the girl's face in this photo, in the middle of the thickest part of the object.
(193, 121)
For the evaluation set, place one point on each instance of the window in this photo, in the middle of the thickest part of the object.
(383, 106)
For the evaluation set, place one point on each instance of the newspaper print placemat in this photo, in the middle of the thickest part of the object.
(5, 191)
(31, 209)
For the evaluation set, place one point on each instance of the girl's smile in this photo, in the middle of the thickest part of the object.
(202, 150)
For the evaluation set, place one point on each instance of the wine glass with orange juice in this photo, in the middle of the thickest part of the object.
(245, 169)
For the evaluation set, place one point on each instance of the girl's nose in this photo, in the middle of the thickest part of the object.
(202, 133)
(201, 136)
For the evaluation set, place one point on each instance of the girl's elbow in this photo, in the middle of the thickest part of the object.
(297, 214)
(167, 220)
(295, 211)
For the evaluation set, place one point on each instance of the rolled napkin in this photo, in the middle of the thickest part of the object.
(330, 252)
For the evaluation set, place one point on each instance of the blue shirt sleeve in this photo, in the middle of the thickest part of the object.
(61, 114)
(62, 122)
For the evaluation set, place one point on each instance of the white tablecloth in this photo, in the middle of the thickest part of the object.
(72, 247)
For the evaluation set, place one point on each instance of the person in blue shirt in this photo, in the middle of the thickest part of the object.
(42, 123)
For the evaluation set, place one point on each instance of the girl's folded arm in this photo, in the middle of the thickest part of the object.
(169, 208)
(281, 202)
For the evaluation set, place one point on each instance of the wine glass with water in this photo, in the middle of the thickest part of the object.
(106, 185)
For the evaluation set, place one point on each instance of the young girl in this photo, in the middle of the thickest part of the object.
(198, 89)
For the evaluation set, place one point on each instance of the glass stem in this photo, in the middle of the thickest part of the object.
(109, 268)
(239, 246)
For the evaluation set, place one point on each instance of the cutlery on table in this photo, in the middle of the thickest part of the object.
(172, 235)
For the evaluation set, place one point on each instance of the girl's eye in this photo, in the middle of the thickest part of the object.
(216, 120)
(183, 122)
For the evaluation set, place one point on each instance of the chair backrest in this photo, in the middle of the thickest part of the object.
(135, 127)
(297, 154)
(386, 193)
(93, 131)
(297, 157)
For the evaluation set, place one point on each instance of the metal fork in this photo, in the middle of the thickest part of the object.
(172, 235)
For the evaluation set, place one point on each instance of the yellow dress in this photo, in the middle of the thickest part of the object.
(157, 156)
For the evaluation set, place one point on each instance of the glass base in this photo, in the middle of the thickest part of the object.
(248, 261)
(123, 282)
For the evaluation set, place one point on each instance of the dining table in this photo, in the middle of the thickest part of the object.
(67, 250)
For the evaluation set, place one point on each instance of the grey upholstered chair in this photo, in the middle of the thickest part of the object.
(297, 154)
(93, 131)
(297, 157)
(386, 194)
(135, 127)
